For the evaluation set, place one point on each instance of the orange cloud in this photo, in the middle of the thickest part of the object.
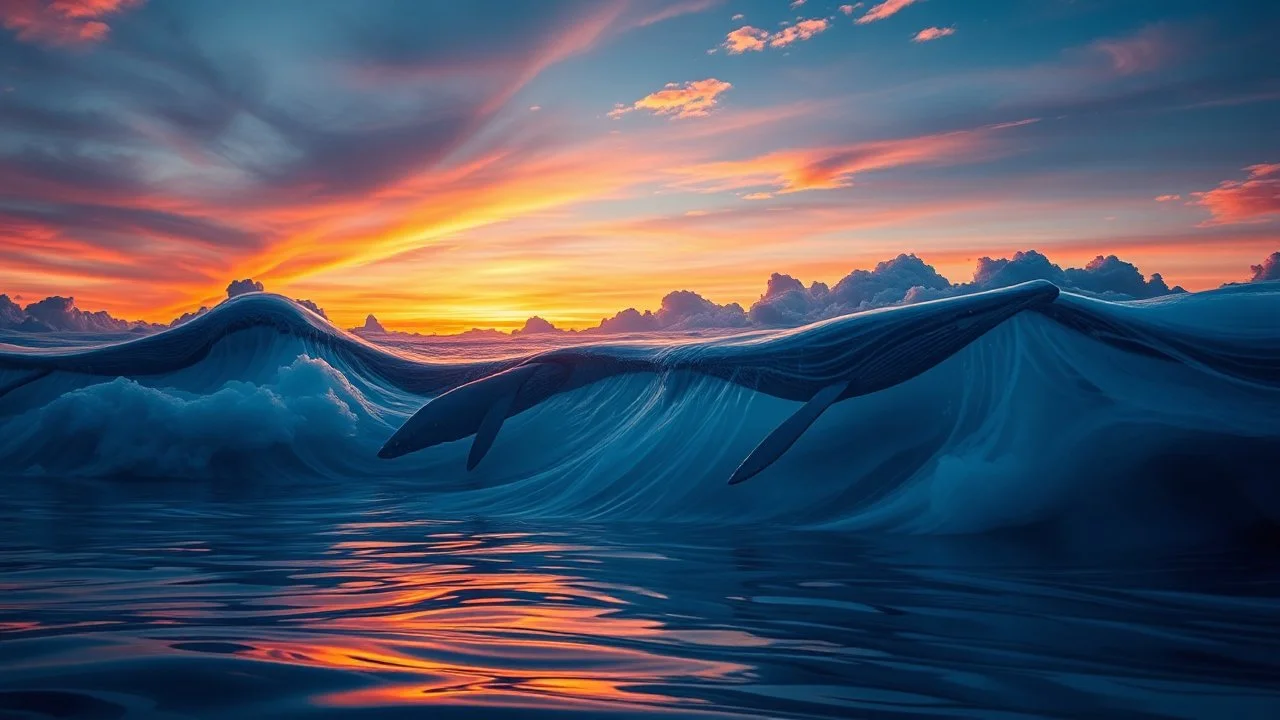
(692, 99)
(1253, 200)
(753, 39)
(825, 168)
(746, 39)
(933, 33)
(802, 30)
(883, 10)
(61, 22)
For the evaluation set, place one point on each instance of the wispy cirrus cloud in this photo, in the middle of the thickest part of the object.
(695, 98)
(1252, 200)
(1148, 49)
(61, 22)
(883, 10)
(933, 33)
(831, 167)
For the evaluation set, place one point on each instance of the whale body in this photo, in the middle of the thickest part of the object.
(818, 364)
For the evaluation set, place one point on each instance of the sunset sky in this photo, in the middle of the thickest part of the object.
(446, 165)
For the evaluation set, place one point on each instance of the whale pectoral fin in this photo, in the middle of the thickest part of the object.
(492, 421)
(488, 430)
(786, 434)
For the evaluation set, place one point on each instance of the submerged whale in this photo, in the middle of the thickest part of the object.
(819, 364)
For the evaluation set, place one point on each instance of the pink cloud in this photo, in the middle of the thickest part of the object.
(848, 9)
(933, 33)
(796, 4)
(677, 10)
(1168, 198)
(802, 30)
(883, 10)
(61, 22)
(692, 99)
(1252, 200)
(1148, 49)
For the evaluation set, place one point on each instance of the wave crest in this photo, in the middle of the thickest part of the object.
(1096, 418)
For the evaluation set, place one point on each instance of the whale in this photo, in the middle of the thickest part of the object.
(817, 365)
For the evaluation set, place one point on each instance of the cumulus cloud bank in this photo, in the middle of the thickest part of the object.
(785, 302)
(680, 310)
(1268, 270)
(57, 313)
(905, 279)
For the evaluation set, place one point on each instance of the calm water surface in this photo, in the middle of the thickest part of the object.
(155, 601)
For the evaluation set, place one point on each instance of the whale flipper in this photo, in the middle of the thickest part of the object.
(786, 434)
(497, 413)
(488, 430)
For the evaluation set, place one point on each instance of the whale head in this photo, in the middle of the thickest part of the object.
(980, 313)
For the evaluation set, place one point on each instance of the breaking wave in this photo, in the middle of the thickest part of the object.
(1090, 419)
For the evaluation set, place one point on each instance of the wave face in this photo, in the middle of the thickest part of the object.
(1092, 420)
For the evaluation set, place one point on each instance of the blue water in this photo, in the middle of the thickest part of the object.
(223, 601)
(1075, 515)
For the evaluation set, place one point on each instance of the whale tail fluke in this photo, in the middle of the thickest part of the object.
(786, 434)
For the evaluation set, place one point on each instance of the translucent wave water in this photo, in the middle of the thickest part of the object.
(1096, 421)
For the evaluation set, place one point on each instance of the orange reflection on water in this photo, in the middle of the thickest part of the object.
(496, 619)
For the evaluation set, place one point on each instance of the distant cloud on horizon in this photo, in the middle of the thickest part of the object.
(906, 279)
(785, 302)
